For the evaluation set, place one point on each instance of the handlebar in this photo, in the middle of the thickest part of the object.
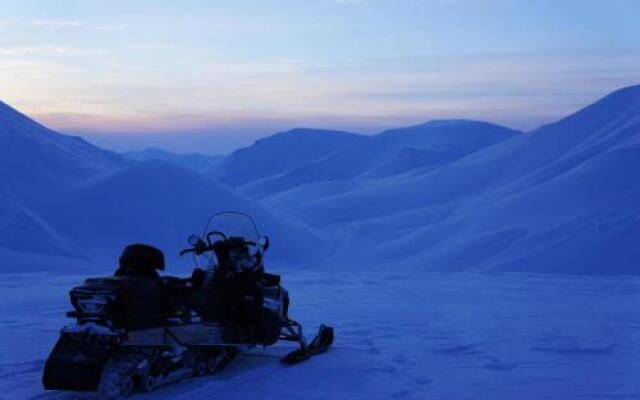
(203, 246)
(185, 251)
(198, 249)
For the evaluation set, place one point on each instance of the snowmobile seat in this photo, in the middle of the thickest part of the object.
(147, 292)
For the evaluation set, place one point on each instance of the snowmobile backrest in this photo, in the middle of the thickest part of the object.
(140, 259)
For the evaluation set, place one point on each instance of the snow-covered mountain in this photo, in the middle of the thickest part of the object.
(159, 203)
(280, 152)
(37, 163)
(201, 163)
(563, 198)
(445, 195)
(37, 166)
(385, 154)
(63, 197)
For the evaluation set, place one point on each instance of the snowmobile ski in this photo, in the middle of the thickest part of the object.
(320, 343)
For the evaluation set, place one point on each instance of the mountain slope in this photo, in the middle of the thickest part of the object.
(38, 166)
(158, 203)
(63, 197)
(446, 195)
(37, 162)
(280, 152)
(377, 156)
(560, 199)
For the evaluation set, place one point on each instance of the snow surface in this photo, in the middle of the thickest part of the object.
(398, 335)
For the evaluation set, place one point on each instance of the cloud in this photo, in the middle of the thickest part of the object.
(47, 50)
(68, 24)
(113, 27)
(116, 94)
(54, 24)
(9, 51)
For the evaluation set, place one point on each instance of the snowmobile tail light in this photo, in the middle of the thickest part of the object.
(92, 305)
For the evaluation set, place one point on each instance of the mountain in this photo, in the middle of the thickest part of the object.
(563, 198)
(158, 203)
(435, 143)
(280, 152)
(37, 163)
(445, 195)
(22, 229)
(200, 163)
(385, 154)
(65, 202)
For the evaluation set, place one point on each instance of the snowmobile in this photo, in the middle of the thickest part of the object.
(137, 330)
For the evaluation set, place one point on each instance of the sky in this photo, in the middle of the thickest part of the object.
(210, 76)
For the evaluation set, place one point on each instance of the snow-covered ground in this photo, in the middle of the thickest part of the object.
(399, 335)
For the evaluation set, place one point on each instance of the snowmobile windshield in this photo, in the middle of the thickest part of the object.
(232, 224)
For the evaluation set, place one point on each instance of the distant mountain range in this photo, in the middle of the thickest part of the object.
(201, 163)
(444, 195)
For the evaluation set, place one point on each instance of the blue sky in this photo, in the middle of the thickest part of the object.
(212, 75)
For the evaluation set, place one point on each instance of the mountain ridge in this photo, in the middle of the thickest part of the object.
(370, 157)
(442, 195)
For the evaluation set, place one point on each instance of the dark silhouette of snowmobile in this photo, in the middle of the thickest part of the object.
(138, 330)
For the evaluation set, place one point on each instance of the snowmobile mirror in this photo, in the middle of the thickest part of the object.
(264, 242)
(194, 240)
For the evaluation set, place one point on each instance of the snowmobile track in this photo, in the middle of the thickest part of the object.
(239, 374)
